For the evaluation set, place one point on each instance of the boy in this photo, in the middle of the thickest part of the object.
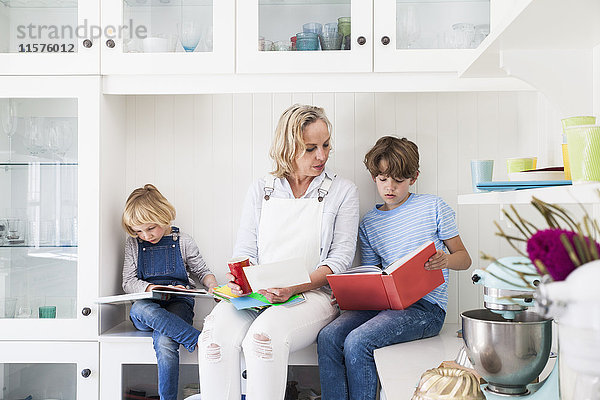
(387, 232)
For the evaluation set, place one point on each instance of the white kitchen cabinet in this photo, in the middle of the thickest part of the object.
(386, 35)
(49, 213)
(49, 370)
(50, 37)
(152, 40)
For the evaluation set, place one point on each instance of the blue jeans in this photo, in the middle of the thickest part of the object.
(346, 362)
(171, 323)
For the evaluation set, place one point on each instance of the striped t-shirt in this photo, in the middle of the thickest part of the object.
(386, 236)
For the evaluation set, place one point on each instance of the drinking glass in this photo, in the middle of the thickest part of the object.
(15, 231)
(408, 29)
(463, 35)
(3, 230)
(189, 35)
(8, 121)
(59, 138)
(34, 135)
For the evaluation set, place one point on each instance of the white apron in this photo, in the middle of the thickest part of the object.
(291, 228)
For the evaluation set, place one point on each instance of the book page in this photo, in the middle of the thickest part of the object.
(277, 275)
(363, 269)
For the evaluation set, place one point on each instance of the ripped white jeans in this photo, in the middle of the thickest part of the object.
(266, 340)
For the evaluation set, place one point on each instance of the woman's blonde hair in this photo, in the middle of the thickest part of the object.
(288, 143)
(146, 205)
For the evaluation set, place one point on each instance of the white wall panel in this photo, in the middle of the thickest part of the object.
(203, 152)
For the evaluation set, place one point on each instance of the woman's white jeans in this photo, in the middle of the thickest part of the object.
(266, 340)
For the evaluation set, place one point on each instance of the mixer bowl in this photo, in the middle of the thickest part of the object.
(508, 354)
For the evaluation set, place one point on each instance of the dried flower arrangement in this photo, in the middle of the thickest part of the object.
(556, 250)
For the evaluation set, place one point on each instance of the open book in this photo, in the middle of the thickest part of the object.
(254, 301)
(159, 292)
(401, 284)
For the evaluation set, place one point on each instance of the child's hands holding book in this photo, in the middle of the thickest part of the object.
(438, 261)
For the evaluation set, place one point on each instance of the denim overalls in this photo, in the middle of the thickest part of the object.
(170, 320)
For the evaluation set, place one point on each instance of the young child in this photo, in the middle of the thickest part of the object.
(389, 231)
(157, 253)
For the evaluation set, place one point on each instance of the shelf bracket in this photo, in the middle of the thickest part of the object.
(564, 76)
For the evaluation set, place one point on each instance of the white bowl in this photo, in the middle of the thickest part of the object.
(155, 45)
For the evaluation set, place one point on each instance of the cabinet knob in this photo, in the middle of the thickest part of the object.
(244, 374)
(86, 311)
(87, 43)
(361, 40)
(86, 372)
(385, 40)
(110, 43)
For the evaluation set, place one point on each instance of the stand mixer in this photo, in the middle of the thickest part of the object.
(507, 343)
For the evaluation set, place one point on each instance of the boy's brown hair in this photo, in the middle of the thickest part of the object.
(400, 157)
(146, 205)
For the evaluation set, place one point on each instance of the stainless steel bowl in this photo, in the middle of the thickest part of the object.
(508, 354)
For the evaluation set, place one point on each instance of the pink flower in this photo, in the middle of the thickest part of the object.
(546, 246)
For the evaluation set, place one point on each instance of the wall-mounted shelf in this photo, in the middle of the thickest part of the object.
(537, 25)
(588, 193)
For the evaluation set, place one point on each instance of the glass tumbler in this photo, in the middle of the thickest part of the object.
(463, 35)
(344, 29)
(331, 41)
(306, 41)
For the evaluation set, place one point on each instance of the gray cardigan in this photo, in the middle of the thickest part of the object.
(193, 261)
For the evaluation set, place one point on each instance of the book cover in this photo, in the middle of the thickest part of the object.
(396, 287)
(159, 292)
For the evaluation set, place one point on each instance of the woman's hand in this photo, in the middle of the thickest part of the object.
(277, 295)
(235, 288)
(438, 261)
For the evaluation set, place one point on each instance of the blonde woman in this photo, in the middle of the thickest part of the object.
(299, 208)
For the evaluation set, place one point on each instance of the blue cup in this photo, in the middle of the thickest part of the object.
(481, 171)
(307, 41)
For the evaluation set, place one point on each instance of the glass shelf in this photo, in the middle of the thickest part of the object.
(13, 246)
(301, 2)
(36, 163)
(168, 3)
(39, 3)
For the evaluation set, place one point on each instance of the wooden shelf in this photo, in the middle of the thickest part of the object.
(537, 25)
(588, 193)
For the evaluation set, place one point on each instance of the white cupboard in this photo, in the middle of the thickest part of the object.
(52, 37)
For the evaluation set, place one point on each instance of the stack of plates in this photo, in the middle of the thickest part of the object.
(542, 174)
(503, 186)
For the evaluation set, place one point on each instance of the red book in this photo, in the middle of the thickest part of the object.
(401, 284)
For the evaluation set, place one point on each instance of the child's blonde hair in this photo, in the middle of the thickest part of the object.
(146, 205)
(401, 157)
(288, 143)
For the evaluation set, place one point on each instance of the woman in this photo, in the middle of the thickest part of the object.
(299, 207)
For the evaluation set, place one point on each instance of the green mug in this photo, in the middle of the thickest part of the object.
(520, 164)
(47, 312)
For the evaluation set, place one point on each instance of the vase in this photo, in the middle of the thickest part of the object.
(575, 305)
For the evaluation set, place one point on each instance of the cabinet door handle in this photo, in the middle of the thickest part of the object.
(86, 373)
(361, 40)
(86, 311)
(110, 43)
(87, 43)
(385, 40)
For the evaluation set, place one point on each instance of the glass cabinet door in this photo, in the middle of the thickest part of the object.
(168, 36)
(44, 287)
(49, 37)
(304, 36)
(432, 35)
(45, 370)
